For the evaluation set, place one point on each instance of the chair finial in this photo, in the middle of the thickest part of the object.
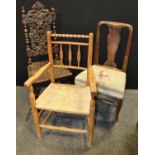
(37, 6)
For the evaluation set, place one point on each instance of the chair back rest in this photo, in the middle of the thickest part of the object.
(64, 37)
(37, 21)
(113, 41)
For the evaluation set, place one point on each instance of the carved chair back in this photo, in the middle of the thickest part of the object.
(113, 41)
(37, 22)
(70, 65)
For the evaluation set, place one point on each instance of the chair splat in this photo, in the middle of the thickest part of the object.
(70, 55)
(61, 54)
(113, 41)
(78, 56)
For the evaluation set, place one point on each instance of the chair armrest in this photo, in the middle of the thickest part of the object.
(33, 78)
(91, 81)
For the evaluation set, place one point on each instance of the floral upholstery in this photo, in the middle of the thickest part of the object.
(110, 81)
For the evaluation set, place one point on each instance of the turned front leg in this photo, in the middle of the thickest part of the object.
(35, 114)
(91, 120)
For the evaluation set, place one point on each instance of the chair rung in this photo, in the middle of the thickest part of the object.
(41, 111)
(75, 130)
(47, 117)
(105, 101)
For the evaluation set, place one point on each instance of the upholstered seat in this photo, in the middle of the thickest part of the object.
(110, 81)
(76, 99)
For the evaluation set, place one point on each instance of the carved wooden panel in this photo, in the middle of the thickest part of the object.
(36, 23)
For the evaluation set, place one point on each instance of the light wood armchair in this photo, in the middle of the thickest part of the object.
(65, 98)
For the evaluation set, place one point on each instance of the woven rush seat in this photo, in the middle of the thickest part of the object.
(59, 72)
(110, 81)
(76, 99)
(65, 98)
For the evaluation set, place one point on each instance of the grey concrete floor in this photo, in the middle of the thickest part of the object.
(109, 139)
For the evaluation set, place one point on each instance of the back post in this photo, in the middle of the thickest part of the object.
(50, 55)
(90, 49)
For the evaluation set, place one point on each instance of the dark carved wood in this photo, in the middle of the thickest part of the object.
(113, 41)
(37, 21)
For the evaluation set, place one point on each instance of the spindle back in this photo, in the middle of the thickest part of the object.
(88, 44)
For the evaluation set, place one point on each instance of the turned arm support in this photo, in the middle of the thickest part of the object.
(91, 81)
(28, 83)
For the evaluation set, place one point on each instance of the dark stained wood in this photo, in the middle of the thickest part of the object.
(113, 41)
(119, 106)
(37, 21)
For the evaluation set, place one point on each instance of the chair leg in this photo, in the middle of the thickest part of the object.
(36, 92)
(35, 114)
(91, 120)
(36, 124)
(119, 106)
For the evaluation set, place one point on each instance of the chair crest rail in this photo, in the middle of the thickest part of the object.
(70, 35)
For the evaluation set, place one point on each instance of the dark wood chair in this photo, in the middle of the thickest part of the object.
(110, 80)
(65, 98)
(37, 21)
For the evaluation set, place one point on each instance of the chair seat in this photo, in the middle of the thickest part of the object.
(110, 81)
(65, 98)
(58, 72)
